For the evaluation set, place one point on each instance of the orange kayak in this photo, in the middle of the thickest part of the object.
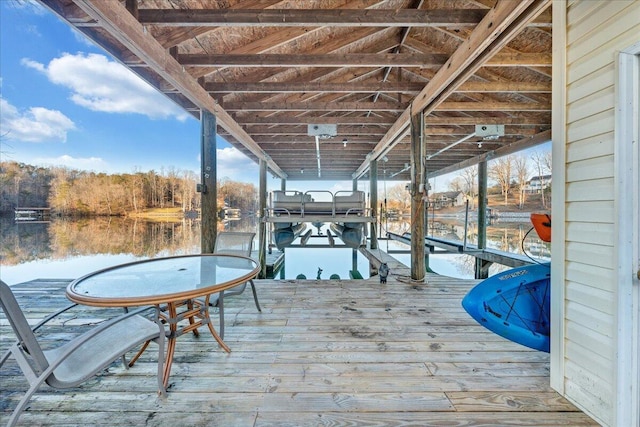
(542, 223)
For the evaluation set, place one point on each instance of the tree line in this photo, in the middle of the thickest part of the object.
(508, 176)
(70, 192)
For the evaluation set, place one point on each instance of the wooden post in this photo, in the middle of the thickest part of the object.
(373, 202)
(427, 188)
(482, 267)
(417, 202)
(262, 226)
(208, 189)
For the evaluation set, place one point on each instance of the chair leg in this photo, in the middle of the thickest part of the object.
(162, 338)
(22, 405)
(255, 295)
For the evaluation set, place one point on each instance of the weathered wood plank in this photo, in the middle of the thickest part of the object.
(321, 353)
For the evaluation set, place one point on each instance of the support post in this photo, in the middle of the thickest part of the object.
(208, 187)
(354, 184)
(283, 184)
(373, 201)
(262, 226)
(427, 188)
(418, 270)
(482, 267)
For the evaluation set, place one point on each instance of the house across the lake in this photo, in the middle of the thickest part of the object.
(537, 184)
(448, 199)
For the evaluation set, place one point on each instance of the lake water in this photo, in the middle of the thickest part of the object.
(68, 249)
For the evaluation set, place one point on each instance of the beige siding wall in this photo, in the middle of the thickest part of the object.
(596, 30)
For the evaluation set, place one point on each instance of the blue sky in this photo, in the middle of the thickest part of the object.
(64, 101)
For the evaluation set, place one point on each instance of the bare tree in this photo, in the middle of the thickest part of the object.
(188, 186)
(470, 177)
(500, 171)
(521, 166)
(542, 164)
(399, 195)
(456, 184)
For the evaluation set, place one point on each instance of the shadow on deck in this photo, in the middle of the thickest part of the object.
(321, 353)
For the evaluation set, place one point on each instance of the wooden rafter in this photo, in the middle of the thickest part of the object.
(496, 29)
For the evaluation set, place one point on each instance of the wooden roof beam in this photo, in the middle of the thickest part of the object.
(295, 87)
(313, 106)
(383, 106)
(500, 86)
(353, 60)
(364, 87)
(290, 35)
(118, 22)
(306, 139)
(312, 17)
(321, 120)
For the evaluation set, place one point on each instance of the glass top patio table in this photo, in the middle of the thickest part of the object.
(162, 280)
(173, 285)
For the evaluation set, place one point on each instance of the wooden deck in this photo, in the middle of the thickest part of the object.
(321, 353)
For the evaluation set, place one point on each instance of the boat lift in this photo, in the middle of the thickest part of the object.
(345, 211)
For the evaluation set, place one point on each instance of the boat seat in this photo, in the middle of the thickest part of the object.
(290, 201)
(349, 202)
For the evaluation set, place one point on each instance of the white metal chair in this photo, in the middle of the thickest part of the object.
(233, 243)
(77, 360)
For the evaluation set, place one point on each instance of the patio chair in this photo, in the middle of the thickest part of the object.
(77, 360)
(233, 243)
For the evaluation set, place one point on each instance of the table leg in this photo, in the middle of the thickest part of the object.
(217, 337)
(191, 319)
(172, 319)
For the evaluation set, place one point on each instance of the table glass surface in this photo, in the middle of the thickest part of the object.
(163, 276)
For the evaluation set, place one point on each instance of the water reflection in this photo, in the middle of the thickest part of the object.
(515, 237)
(66, 248)
(501, 235)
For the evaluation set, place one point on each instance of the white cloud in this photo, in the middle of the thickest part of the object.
(29, 5)
(233, 164)
(37, 124)
(102, 85)
(87, 164)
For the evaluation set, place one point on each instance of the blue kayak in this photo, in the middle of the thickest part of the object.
(515, 305)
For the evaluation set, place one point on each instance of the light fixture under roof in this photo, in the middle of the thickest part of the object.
(489, 132)
(322, 131)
